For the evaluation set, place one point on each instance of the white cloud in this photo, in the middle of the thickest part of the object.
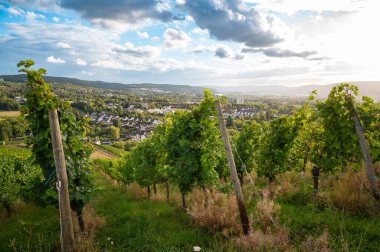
(163, 6)
(5, 38)
(117, 25)
(63, 45)
(292, 6)
(155, 39)
(55, 60)
(56, 19)
(73, 53)
(199, 31)
(31, 16)
(176, 39)
(87, 73)
(80, 62)
(142, 34)
(15, 11)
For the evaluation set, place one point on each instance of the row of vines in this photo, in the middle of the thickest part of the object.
(18, 177)
(187, 150)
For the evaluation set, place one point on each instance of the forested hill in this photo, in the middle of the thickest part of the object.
(109, 85)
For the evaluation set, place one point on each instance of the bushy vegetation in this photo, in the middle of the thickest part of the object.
(18, 176)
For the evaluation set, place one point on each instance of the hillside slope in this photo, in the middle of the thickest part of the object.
(110, 85)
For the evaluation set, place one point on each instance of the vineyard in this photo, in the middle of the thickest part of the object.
(308, 180)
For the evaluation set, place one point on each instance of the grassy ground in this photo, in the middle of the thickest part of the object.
(143, 225)
(131, 224)
(354, 233)
(31, 228)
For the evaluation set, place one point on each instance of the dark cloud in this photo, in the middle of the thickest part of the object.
(251, 50)
(130, 11)
(319, 58)
(35, 4)
(139, 52)
(273, 52)
(223, 53)
(280, 53)
(227, 53)
(233, 20)
(198, 50)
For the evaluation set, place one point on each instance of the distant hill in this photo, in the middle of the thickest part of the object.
(114, 86)
(366, 88)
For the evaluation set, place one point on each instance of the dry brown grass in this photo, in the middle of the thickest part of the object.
(271, 236)
(221, 215)
(259, 241)
(377, 167)
(137, 191)
(316, 244)
(92, 222)
(10, 113)
(110, 181)
(350, 193)
(266, 212)
(287, 181)
(158, 197)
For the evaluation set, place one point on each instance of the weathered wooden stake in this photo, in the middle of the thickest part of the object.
(67, 230)
(233, 173)
(154, 188)
(183, 201)
(167, 192)
(366, 155)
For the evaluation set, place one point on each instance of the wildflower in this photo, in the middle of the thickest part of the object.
(111, 242)
(108, 238)
(197, 248)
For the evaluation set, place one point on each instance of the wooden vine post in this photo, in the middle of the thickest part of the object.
(67, 230)
(366, 155)
(233, 173)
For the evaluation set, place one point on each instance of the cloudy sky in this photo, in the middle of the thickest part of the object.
(198, 42)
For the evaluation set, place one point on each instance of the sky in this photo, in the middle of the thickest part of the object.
(195, 42)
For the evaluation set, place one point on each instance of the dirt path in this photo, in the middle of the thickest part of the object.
(101, 153)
